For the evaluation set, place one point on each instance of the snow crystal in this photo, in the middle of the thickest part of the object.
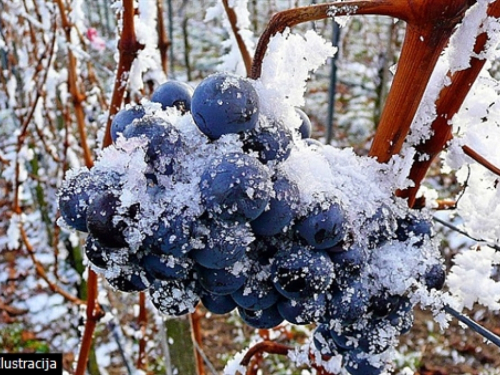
(297, 56)
(233, 366)
(470, 278)
(14, 231)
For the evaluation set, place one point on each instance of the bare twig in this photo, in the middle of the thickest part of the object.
(267, 346)
(74, 86)
(233, 20)
(142, 320)
(163, 41)
(480, 159)
(40, 270)
(128, 47)
(195, 320)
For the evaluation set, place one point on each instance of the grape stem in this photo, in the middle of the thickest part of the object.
(480, 159)
(473, 325)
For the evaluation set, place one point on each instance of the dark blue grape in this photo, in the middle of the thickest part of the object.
(73, 200)
(164, 142)
(170, 236)
(224, 103)
(124, 118)
(401, 317)
(166, 267)
(365, 336)
(173, 94)
(102, 210)
(130, 279)
(218, 304)
(413, 227)
(76, 192)
(324, 343)
(357, 362)
(281, 210)
(220, 282)
(261, 319)
(382, 226)
(347, 262)
(311, 310)
(235, 187)
(96, 252)
(434, 277)
(271, 141)
(299, 272)
(323, 228)
(305, 128)
(383, 303)
(174, 297)
(224, 245)
(350, 302)
(258, 292)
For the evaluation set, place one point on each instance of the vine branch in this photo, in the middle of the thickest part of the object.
(233, 20)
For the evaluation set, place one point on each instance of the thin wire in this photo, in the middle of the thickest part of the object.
(205, 358)
(458, 230)
(473, 325)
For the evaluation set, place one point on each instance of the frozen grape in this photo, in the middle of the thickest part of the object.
(413, 227)
(324, 343)
(311, 310)
(235, 187)
(166, 267)
(220, 282)
(258, 292)
(435, 277)
(170, 235)
(262, 319)
(73, 200)
(218, 304)
(130, 279)
(96, 252)
(305, 128)
(101, 222)
(282, 208)
(357, 362)
(124, 118)
(323, 228)
(300, 272)
(224, 245)
(173, 94)
(349, 302)
(174, 297)
(224, 103)
(164, 141)
(270, 141)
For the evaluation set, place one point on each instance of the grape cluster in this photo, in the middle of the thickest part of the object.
(193, 203)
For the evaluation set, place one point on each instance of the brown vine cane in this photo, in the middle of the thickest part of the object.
(448, 104)
(430, 24)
